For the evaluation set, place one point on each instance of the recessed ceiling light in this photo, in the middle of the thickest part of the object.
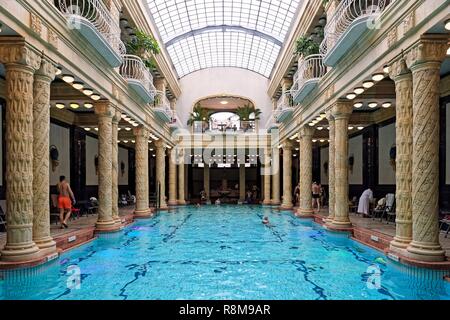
(95, 97)
(224, 102)
(88, 92)
(386, 105)
(358, 105)
(360, 128)
(319, 128)
(311, 124)
(68, 78)
(128, 129)
(351, 96)
(447, 24)
(368, 84)
(448, 51)
(78, 85)
(359, 90)
(378, 77)
(135, 124)
(350, 128)
(124, 116)
(87, 129)
(60, 105)
(58, 71)
(125, 141)
(74, 105)
(96, 129)
(314, 140)
(88, 105)
(373, 105)
(322, 140)
(386, 69)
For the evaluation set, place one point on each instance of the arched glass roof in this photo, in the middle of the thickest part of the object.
(202, 34)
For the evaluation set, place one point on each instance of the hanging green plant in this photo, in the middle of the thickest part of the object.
(144, 46)
(246, 111)
(306, 47)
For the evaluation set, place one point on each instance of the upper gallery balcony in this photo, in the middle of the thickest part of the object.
(95, 23)
(285, 107)
(310, 70)
(138, 77)
(161, 107)
(175, 123)
(351, 19)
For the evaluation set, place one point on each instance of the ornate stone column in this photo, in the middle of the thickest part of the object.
(275, 177)
(426, 57)
(287, 176)
(181, 191)
(115, 167)
(331, 168)
(21, 62)
(341, 112)
(142, 209)
(267, 170)
(41, 173)
(305, 208)
(105, 113)
(172, 179)
(241, 182)
(403, 163)
(161, 173)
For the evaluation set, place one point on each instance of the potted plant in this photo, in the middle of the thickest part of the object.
(246, 114)
(144, 46)
(199, 115)
(305, 46)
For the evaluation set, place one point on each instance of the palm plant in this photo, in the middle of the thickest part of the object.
(246, 111)
(306, 47)
(199, 114)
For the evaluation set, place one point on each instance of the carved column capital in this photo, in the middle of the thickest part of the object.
(117, 116)
(160, 144)
(17, 51)
(306, 132)
(287, 145)
(329, 116)
(141, 131)
(104, 108)
(399, 69)
(47, 70)
(342, 109)
(430, 48)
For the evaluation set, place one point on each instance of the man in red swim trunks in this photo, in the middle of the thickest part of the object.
(64, 201)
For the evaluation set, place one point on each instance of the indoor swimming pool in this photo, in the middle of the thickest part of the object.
(222, 253)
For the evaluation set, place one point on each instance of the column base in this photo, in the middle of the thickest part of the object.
(181, 202)
(398, 245)
(163, 208)
(267, 202)
(46, 245)
(275, 203)
(142, 214)
(20, 252)
(286, 206)
(425, 251)
(172, 203)
(339, 225)
(305, 213)
(107, 226)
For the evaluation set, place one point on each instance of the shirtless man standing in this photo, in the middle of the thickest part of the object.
(64, 201)
(316, 195)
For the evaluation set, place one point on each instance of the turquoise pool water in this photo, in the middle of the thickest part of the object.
(222, 253)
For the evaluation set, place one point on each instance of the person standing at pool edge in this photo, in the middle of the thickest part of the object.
(65, 195)
(316, 195)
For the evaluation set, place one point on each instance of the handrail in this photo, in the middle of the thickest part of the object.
(346, 13)
(98, 15)
(133, 68)
(162, 103)
(309, 68)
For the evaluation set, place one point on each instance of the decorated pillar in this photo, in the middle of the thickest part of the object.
(331, 168)
(426, 59)
(142, 209)
(403, 162)
(341, 112)
(287, 176)
(181, 191)
(172, 178)
(105, 113)
(21, 62)
(115, 166)
(305, 207)
(276, 177)
(41, 171)
(267, 170)
(161, 173)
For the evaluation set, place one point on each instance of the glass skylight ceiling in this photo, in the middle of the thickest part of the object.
(202, 34)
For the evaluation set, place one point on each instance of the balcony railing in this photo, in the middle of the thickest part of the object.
(351, 19)
(309, 72)
(91, 18)
(138, 76)
(285, 107)
(161, 106)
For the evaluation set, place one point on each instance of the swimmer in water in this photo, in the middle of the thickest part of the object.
(265, 220)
